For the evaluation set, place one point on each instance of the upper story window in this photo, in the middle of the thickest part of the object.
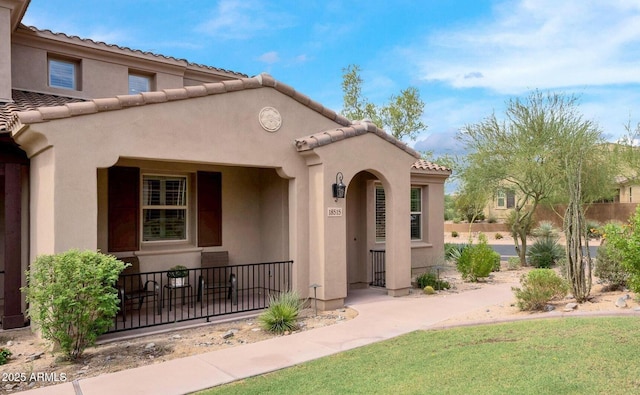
(63, 73)
(505, 199)
(164, 208)
(139, 83)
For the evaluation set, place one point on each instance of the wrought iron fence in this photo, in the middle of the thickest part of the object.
(378, 273)
(153, 298)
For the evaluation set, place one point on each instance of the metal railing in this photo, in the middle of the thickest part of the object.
(152, 298)
(378, 268)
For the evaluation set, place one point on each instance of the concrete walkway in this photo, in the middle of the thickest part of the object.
(380, 317)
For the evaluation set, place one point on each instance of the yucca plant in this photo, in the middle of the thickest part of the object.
(282, 313)
(545, 252)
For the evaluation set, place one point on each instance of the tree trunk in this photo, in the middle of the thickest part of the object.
(578, 266)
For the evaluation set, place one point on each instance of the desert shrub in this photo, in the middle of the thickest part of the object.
(594, 230)
(477, 260)
(499, 236)
(452, 251)
(282, 313)
(72, 299)
(539, 286)
(609, 267)
(492, 219)
(428, 290)
(545, 230)
(513, 263)
(4, 355)
(430, 279)
(545, 252)
(626, 239)
(454, 234)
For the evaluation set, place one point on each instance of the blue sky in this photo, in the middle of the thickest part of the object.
(465, 57)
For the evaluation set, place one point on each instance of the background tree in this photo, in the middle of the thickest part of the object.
(401, 116)
(515, 154)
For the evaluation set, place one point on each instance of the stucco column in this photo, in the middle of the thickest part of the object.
(398, 237)
(5, 49)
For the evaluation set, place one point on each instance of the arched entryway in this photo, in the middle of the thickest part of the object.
(363, 228)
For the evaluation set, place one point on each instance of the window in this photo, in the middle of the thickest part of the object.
(139, 83)
(416, 213)
(380, 214)
(63, 74)
(164, 208)
(505, 199)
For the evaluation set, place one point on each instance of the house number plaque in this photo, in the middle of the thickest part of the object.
(334, 211)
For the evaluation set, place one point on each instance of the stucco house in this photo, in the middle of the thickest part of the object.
(137, 154)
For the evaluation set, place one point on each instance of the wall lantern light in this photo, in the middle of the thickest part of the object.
(339, 188)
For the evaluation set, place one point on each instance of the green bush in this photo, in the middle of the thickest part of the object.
(609, 267)
(72, 299)
(430, 279)
(282, 313)
(539, 287)
(477, 260)
(499, 236)
(4, 355)
(454, 234)
(545, 252)
(513, 263)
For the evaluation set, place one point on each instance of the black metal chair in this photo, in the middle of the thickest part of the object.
(214, 267)
(131, 288)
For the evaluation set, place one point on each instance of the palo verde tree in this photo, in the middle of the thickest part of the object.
(515, 153)
(401, 116)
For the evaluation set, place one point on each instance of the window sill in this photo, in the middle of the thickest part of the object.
(421, 244)
(168, 249)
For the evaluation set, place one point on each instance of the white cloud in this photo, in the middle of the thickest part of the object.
(540, 44)
(243, 19)
(269, 57)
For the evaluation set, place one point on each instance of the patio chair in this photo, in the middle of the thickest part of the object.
(131, 288)
(213, 266)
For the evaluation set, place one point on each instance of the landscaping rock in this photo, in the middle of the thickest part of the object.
(149, 346)
(570, 307)
(549, 307)
(230, 333)
(621, 302)
(35, 356)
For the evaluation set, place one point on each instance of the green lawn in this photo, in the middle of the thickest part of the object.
(558, 356)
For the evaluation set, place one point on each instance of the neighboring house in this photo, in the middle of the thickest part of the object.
(131, 153)
(500, 205)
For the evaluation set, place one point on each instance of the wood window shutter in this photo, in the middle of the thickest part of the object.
(209, 209)
(124, 209)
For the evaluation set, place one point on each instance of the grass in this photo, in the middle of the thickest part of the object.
(554, 356)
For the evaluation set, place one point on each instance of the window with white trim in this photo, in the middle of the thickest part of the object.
(63, 73)
(164, 208)
(505, 199)
(416, 213)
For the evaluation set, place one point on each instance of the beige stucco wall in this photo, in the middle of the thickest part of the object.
(275, 199)
(5, 50)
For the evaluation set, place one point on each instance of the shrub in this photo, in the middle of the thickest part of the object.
(430, 279)
(428, 290)
(609, 267)
(593, 229)
(454, 234)
(544, 252)
(477, 260)
(513, 263)
(545, 230)
(282, 313)
(492, 219)
(4, 355)
(499, 236)
(539, 286)
(72, 298)
(452, 251)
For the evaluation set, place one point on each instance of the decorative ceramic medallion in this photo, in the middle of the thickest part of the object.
(270, 119)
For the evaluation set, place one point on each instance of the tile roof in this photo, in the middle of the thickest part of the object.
(30, 107)
(136, 52)
(422, 164)
(28, 101)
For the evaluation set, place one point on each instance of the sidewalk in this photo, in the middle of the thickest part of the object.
(380, 317)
